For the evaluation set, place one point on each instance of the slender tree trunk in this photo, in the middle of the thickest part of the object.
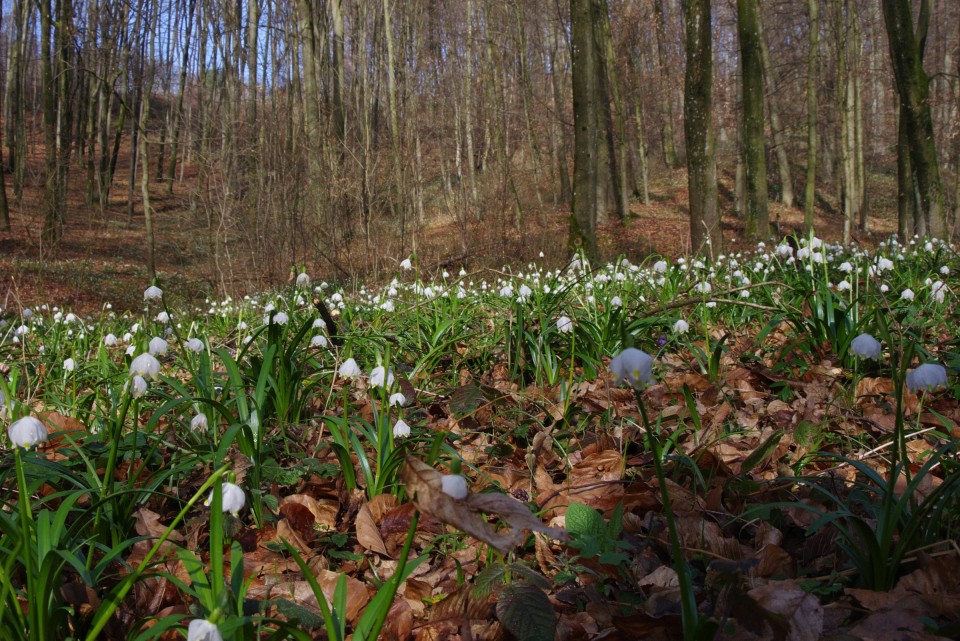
(670, 158)
(906, 52)
(810, 184)
(757, 217)
(583, 219)
(705, 233)
(616, 131)
(182, 86)
(776, 124)
(144, 154)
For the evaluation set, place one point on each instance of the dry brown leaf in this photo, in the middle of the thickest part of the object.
(425, 487)
(147, 523)
(324, 511)
(796, 612)
(368, 534)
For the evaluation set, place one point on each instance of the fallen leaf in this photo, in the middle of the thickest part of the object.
(425, 487)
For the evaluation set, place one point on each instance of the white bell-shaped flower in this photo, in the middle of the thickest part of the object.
(152, 293)
(27, 432)
(350, 369)
(157, 346)
(866, 346)
(203, 630)
(145, 365)
(633, 366)
(397, 400)
(380, 376)
(233, 498)
(927, 377)
(564, 324)
(401, 429)
(681, 326)
(194, 345)
(454, 486)
(199, 422)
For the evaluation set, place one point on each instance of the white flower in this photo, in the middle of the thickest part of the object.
(401, 429)
(884, 288)
(194, 345)
(454, 486)
(660, 267)
(152, 293)
(163, 317)
(109, 340)
(506, 291)
(199, 422)
(303, 279)
(381, 377)
(138, 386)
(681, 326)
(350, 369)
(157, 346)
(907, 294)
(203, 630)
(865, 346)
(69, 365)
(939, 291)
(525, 291)
(27, 432)
(633, 366)
(397, 400)
(945, 270)
(233, 498)
(145, 365)
(927, 377)
(564, 324)
(318, 341)
(845, 267)
(280, 318)
(843, 285)
(406, 264)
(616, 302)
(704, 287)
(318, 323)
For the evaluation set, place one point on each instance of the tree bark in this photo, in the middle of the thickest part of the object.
(756, 216)
(705, 232)
(583, 218)
(906, 53)
(776, 123)
(813, 64)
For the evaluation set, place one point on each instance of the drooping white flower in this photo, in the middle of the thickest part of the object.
(157, 346)
(199, 422)
(939, 291)
(660, 267)
(843, 286)
(866, 346)
(152, 293)
(233, 498)
(704, 287)
(633, 366)
(616, 302)
(69, 365)
(927, 377)
(381, 377)
(203, 630)
(401, 429)
(397, 400)
(27, 432)
(138, 386)
(318, 341)
(564, 324)
(349, 369)
(454, 486)
(303, 279)
(525, 291)
(145, 365)
(163, 317)
(109, 340)
(195, 345)
(319, 323)
(406, 264)
(681, 326)
(280, 318)
(907, 294)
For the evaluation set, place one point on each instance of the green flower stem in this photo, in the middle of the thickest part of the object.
(37, 609)
(688, 602)
(112, 601)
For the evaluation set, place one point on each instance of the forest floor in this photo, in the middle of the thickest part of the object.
(102, 258)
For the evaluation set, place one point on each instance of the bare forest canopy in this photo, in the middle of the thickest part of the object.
(342, 133)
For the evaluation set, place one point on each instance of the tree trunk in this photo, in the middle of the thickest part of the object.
(776, 125)
(705, 233)
(906, 53)
(583, 218)
(810, 184)
(669, 146)
(757, 217)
